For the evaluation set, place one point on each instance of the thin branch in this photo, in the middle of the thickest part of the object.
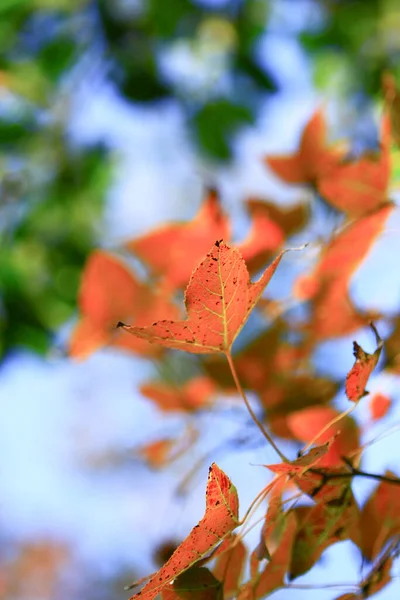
(252, 413)
(356, 473)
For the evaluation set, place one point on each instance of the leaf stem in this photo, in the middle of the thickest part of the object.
(252, 413)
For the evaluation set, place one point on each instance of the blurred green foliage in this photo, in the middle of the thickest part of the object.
(52, 192)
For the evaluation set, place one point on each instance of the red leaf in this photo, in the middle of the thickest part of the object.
(110, 292)
(380, 518)
(303, 463)
(173, 251)
(219, 299)
(333, 313)
(307, 423)
(312, 160)
(379, 406)
(365, 363)
(360, 187)
(220, 518)
(271, 225)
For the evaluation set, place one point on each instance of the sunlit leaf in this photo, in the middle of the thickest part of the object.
(220, 518)
(219, 299)
(360, 373)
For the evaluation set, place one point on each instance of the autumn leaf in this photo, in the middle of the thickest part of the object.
(273, 575)
(198, 583)
(230, 561)
(327, 287)
(271, 517)
(380, 518)
(270, 227)
(164, 451)
(361, 186)
(195, 394)
(172, 251)
(307, 423)
(364, 365)
(219, 299)
(322, 525)
(378, 406)
(313, 158)
(109, 292)
(301, 464)
(220, 518)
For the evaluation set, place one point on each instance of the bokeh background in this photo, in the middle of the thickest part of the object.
(114, 117)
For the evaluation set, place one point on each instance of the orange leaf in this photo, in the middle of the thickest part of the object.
(110, 292)
(193, 395)
(273, 575)
(219, 299)
(273, 512)
(359, 187)
(173, 251)
(365, 363)
(230, 559)
(312, 160)
(307, 423)
(333, 313)
(220, 518)
(379, 406)
(270, 227)
(380, 518)
(303, 463)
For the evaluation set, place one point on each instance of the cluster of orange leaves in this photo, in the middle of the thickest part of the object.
(294, 399)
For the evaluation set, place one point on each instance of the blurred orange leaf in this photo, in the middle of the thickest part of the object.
(110, 292)
(270, 227)
(313, 158)
(359, 187)
(380, 518)
(308, 422)
(379, 406)
(193, 395)
(172, 251)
